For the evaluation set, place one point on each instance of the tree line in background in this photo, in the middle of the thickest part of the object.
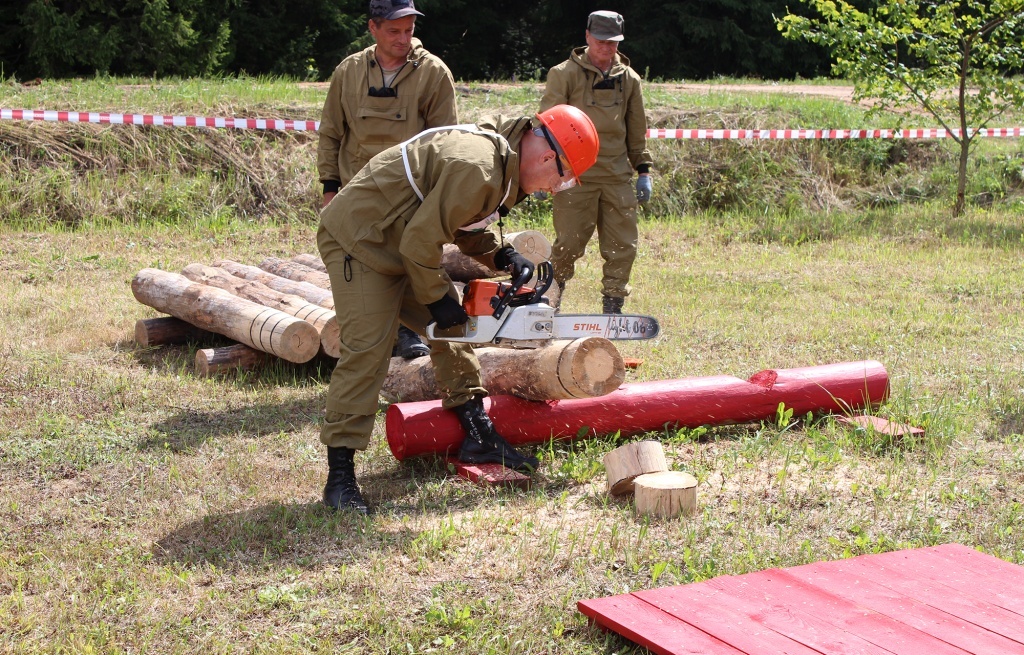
(305, 39)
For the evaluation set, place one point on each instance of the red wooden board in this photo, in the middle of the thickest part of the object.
(944, 600)
(490, 474)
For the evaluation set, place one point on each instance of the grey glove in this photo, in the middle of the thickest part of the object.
(507, 259)
(643, 188)
(540, 195)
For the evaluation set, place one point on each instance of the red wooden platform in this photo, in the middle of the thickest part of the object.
(928, 601)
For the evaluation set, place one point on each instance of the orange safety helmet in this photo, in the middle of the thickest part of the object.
(575, 134)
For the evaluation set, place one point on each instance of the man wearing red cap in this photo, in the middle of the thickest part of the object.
(597, 78)
(379, 97)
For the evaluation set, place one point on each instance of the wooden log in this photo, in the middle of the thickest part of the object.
(311, 292)
(627, 462)
(666, 494)
(583, 368)
(462, 268)
(259, 327)
(167, 330)
(422, 428)
(261, 294)
(239, 357)
(296, 272)
(531, 244)
(310, 261)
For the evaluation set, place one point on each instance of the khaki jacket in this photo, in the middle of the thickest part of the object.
(464, 177)
(355, 126)
(617, 112)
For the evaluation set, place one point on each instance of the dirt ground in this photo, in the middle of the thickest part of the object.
(838, 92)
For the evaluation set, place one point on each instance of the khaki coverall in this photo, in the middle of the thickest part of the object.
(355, 126)
(382, 247)
(605, 198)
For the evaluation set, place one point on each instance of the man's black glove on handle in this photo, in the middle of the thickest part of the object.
(507, 259)
(447, 312)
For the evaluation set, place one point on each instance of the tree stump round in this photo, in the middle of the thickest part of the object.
(627, 462)
(666, 494)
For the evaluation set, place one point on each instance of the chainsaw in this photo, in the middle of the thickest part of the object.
(514, 315)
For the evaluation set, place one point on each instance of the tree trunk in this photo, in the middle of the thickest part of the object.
(961, 176)
(310, 261)
(423, 428)
(296, 272)
(583, 368)
(212, 309)
(261, 294)
(211, 361)
(310, 292)
(167, 330)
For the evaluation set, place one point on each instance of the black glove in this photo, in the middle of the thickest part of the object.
(507, 259)
(447, 312)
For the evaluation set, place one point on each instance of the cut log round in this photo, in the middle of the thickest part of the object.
(211, 361)
(310, 261)
(311, 292)
(631, 460)
(261, 294)
(167, 330)
(582, 368)
(296, 272)
(666, 494)
(263, 328)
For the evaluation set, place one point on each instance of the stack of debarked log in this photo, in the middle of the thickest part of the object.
(284, 309)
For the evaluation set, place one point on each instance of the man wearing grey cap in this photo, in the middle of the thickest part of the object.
(379, 97)
(597, 78)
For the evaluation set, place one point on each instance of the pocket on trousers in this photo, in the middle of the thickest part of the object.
(381, 294)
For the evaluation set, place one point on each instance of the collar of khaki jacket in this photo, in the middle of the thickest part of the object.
(416, 55)
(513, 129)
(619, 65)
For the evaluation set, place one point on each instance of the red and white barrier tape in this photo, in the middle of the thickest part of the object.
(927, 133)
(312, 126)
(149, 119)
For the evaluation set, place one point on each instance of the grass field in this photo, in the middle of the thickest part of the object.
(145, 510)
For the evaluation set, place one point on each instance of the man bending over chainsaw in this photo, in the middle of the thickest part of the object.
(382, 247)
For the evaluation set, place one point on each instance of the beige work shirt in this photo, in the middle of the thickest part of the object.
(464, 177)
(355, 126)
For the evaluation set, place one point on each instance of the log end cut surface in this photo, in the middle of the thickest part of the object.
(591, 367)
(666, 494)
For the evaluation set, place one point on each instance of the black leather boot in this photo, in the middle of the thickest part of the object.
(341, 490)
(610, 305)
(409, 345)
(483, 444)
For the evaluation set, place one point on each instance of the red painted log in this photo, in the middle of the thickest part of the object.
(424, 428)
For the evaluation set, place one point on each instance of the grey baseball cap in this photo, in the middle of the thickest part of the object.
(392, 9)
(605, 26)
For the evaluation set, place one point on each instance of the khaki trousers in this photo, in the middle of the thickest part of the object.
(611, 209)
(369, 308)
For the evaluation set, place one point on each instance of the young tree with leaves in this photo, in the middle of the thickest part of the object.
(952, 58)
